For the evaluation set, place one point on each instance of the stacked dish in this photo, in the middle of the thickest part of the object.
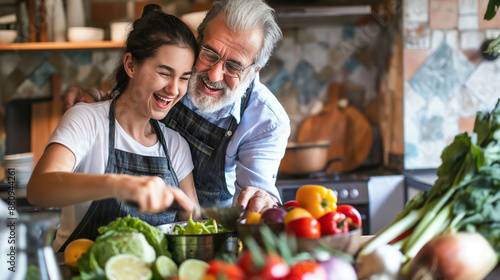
(18, 167)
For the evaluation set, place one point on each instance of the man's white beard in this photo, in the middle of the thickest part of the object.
(210, 104)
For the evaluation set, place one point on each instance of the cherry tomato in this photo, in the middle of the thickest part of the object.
(307, 269)
(289, 205)
(253, 218)
(304, 227)
(274, 267)
(296, 213)
(333, 223)
(351, 213)
(219, 269)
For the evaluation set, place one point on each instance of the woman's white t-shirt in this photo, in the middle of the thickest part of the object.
(84, 130)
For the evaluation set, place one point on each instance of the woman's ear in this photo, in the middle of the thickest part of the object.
(128, 64)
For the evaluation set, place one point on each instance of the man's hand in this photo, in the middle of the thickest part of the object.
(74, 95)
(254, 199)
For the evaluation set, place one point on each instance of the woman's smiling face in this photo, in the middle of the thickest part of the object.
(161, 81)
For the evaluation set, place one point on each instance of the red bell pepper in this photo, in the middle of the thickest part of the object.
(351, 213)
(333, 223)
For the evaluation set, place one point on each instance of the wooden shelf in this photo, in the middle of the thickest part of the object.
(56, 46)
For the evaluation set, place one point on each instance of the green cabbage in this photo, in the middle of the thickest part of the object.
(113, 243)
(154, 236)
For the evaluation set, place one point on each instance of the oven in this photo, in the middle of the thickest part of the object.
(352, 190)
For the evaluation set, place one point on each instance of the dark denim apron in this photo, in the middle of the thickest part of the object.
(102, 212)
(208, 144)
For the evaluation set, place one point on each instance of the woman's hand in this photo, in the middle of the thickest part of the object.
(151, 193)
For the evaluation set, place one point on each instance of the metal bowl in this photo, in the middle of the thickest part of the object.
(199, 246)
(254, 231)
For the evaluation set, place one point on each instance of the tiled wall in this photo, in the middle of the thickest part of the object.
(446, 79)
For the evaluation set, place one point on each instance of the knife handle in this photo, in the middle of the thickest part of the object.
(174, 207)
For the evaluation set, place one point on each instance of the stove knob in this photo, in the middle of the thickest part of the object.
(354, 193)
(343, 194)
(336, 193)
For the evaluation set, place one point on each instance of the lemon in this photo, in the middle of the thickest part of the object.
(74, 251)
(164, 268)
(253, 218)
(193, 269)
(125, 267)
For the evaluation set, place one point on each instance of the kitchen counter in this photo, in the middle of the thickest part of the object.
(67, 274)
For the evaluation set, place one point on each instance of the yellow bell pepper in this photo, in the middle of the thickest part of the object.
(318, 200)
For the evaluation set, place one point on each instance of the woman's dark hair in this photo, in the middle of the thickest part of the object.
(153, 30)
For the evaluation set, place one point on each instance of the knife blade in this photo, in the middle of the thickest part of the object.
(226, 216)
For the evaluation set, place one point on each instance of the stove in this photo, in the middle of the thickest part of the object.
(350, 189)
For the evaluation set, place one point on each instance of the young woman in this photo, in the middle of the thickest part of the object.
(106, 153)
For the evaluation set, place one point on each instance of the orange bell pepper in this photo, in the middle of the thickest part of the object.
(318, 200)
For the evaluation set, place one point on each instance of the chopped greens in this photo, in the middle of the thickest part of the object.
(207, 227)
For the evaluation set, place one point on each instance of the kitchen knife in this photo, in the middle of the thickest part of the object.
(226, 216)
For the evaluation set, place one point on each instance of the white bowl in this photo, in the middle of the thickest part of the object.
(7, 36)
(85, 34)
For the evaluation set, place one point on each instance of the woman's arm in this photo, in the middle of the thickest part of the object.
(53, 184)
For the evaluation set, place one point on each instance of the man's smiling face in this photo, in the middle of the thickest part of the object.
(209, 88)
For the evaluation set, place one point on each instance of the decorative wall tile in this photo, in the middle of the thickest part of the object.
(29, 62)
(437, 38)
(305, 80)
(471, 40)
(452, 39)
(287, 54)
(443, 14)
(417, 35)
(468, 22)
(441, 73)
(494, 23)
(473, 55)
(366, 78)
(316, 55)
(416, 11)
(9, 63)
(484, 84)
(467, 7)
(42, 74)
(413, 59)
(491, 33)
(80, 58)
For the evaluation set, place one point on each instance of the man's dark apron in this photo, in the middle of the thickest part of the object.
(208, 144)
(101, 212)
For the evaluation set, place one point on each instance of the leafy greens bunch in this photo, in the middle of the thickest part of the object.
(465, 197)
(128, 235)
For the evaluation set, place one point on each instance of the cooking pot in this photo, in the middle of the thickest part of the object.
(199, 246)
(305, 158)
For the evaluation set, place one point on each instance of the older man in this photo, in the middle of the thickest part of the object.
(236, 128)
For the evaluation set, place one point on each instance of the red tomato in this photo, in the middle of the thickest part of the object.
(304, 227)
(307, 269)
(333, 223)
(274, 267)
(296, 213)
(289, 205)
(351, 213)
(222, 270)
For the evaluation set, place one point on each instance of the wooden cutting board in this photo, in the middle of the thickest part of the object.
(330, 124)
(349, 132)
(44, 118)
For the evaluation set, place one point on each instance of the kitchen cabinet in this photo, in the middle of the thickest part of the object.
(60, 46)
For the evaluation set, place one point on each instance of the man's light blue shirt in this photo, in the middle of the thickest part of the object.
(259, 142)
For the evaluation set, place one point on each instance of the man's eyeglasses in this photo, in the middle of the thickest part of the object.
(230, 68)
